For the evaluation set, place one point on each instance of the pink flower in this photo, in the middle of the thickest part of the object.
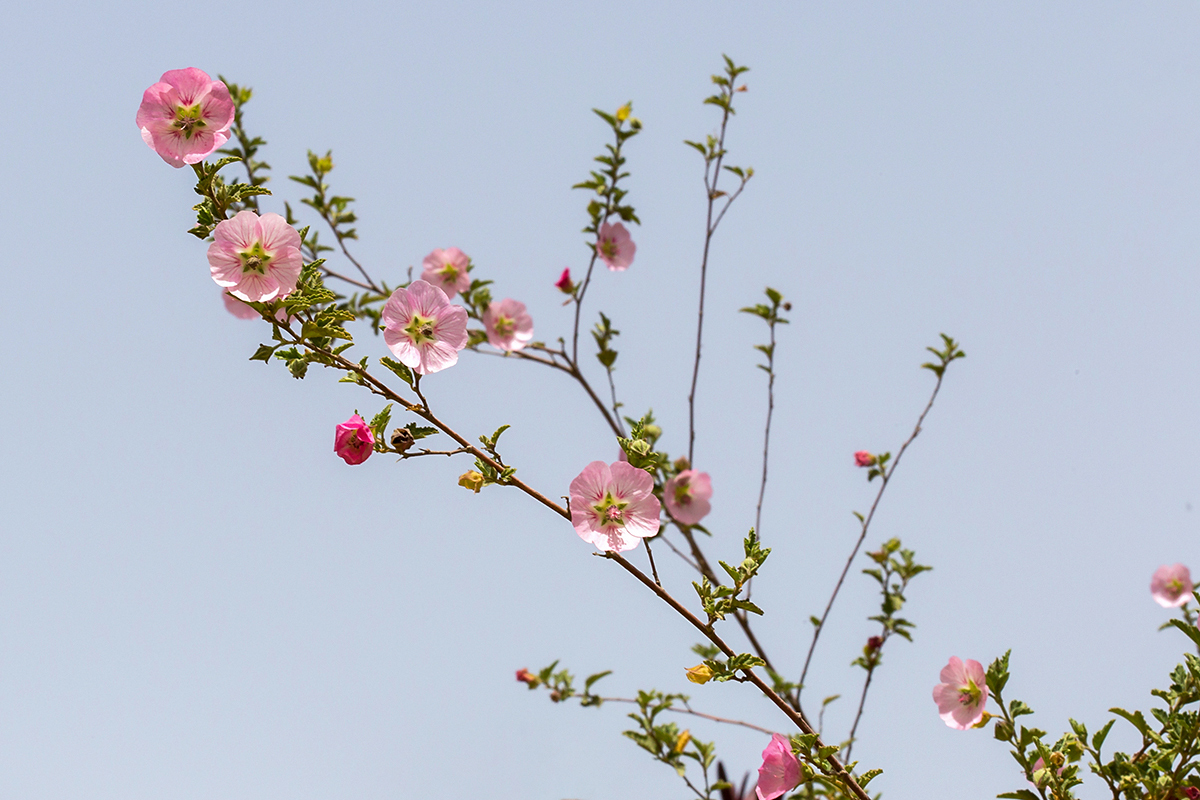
(564, 283)
(962, 694)
(185, 116)
(780, 771)
(613, 505)
(614, 246)
(1171, 585)
(255, 258)
(686, 496)
(509, 326)
(422, 329)
(447, 270)
(354, 441)
(237, 307)
(864, 459)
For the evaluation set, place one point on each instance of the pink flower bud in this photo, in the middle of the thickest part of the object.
(525, 676)
(864, 459)
(354, 441)
(564, 283)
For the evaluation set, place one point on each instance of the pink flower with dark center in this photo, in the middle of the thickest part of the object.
(864, 459)
(686, 496)
(185, 116)
(564, 283)
(962, 694)
(447, 270)
(508, 324)
(613, 505)
(780, 771)
(354, 441)
(614, 246)
(422, 328)
(1171, 585)
(255, 258)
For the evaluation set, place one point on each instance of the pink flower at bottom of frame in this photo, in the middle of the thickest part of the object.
(613, 505)
(422, 328)
(962, 694)
(447, 270)
(687, 495)
(1171, 586)
(256, 258)
(354, 441)
(614, 246)
(509, 326)
(186, 116)
(780, 771)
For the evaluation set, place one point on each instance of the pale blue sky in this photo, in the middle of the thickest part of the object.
(198, 600)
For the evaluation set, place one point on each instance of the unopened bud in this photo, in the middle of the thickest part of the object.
(1003, 731)
(1057, 759)
(623, 112)
(564, 283)
(681, 464)
(525, 676)
(701, 673)
(555, 696)
(402, 439)
(652, 432)
(471, 480)
(682, 741)
(864, 459)
(873, 644)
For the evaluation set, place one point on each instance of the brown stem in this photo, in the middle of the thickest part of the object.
(688, 710)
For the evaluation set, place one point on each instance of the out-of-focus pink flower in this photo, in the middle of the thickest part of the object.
(185, 116)
(1192, 793)
(255, 258)
(447, 270)
(686, 496)
(874, 643)
(780, 771)
(564, 283)
(237, 307)
(613, 505)
(1041, 764)
(864, 459)
(614, 246)
(1171, 585)
(962, 694)
(508, 324)
(423, 329)
(354, 441)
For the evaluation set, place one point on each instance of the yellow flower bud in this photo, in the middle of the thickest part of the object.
(623, 112)
(682, 741)
(471, 480)
(701, 673)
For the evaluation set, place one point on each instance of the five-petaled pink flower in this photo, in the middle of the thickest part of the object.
(564, 282)
(1171, 585)
(255, 258)
(423, 329)
(962, 694)
(185, 116)
(780, 771)
(864, 459)
(686, 496)
(508, 324)
(354, 441)
(613, 505)
(614, 246)
(447, 270)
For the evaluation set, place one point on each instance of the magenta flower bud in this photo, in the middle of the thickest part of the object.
(864, 459)
(1171, 585)
(354, 441)
(564, 283)
(962, 694)
(186, 116)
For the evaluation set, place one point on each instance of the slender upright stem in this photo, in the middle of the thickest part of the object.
(762, 488)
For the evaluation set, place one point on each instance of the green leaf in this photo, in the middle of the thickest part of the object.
(1020, 794)
(1102, 734)
(1192, 631)
(593, 678)
(868, 776)
(263, 353)
(1135, 719)
(402, 372)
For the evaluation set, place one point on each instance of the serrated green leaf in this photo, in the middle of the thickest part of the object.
(401, 371)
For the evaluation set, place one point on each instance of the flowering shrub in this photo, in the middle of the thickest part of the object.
(272, 268)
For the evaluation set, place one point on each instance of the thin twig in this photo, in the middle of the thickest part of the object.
(762, 488)
(688, 710)
(886, 477)
(650, 555)
(434, 453)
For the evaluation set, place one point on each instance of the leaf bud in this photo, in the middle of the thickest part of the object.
(1003, 731)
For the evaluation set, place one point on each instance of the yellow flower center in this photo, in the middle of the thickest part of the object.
(188, 120)
(420, 329)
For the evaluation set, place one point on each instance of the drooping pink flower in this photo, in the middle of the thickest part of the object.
(237, 307)
(185, 116)
(564, 283)
(962, 694)
(508, 325)
(780, 771)
(864, 459)
(613, 505)
(423, 329)
(686, 496)
(354, 441)
(447, 270)
(1171, 585)
(255, 258)
(614, 246)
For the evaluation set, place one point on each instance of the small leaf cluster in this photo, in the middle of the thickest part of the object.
(718, 601)
(320, 324)
(770, 314)
(219, 196)
(604, 333)
(561, 685)
(606, 182)
(950, 352)
(383, 444)
(895, 568)
(639, 446)
(665, 741)
(818, 769)
(490, 475)
(335, 210)
(879, 469)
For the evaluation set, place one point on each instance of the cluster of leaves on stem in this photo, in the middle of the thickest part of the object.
(718, 601)
(892, 574)
(605, 182)
(247, 146)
